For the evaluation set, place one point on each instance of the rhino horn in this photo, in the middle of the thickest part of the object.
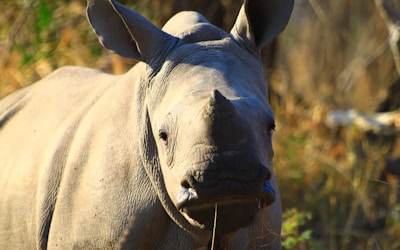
(223, 119)
(217, 99)
(127, 33)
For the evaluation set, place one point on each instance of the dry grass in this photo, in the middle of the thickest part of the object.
(333, 55)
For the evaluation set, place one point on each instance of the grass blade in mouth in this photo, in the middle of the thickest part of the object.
(215, 226)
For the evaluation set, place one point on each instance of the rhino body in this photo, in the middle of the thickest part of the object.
(144, 160)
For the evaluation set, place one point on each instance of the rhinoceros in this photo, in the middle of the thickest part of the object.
(174, 154)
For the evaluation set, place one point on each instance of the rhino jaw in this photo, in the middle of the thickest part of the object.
(233, 212)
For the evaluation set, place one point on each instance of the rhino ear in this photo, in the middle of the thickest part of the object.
(261, 20)
(125, 32)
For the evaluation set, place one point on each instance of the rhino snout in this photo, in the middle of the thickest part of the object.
(220, 185)
(238, 196)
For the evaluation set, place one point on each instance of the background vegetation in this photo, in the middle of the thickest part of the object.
(339, 185)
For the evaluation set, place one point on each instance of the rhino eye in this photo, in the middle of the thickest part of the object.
(271, 128)
(163, 136)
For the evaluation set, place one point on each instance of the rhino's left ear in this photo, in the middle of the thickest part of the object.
(261, 20)
(125, 32)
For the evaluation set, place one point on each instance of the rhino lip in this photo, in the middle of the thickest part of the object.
(189, 199)
(234, 211)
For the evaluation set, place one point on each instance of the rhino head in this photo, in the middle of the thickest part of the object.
(207, 124)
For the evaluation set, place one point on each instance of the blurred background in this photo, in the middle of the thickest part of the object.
(339, 180)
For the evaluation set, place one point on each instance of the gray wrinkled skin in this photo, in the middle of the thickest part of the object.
(96, 161)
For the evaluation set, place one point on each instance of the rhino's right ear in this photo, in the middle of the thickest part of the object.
(261, 20)
(125, 32)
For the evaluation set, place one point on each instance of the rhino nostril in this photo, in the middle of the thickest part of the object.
(185, 184)
(268, 174)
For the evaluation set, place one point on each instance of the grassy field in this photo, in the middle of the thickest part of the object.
(336, 191)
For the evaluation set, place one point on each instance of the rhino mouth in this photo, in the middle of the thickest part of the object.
(233, 211)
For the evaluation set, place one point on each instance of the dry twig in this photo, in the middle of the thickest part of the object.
(387, 123)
